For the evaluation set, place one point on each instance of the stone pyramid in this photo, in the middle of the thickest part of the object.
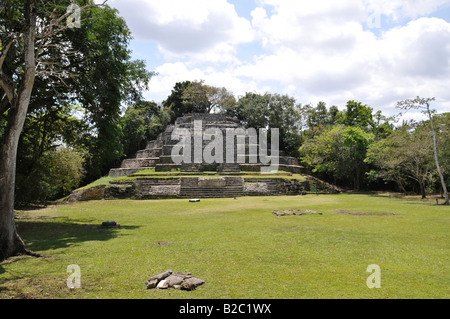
(158, 153)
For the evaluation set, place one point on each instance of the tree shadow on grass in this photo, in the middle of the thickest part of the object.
(50, 233)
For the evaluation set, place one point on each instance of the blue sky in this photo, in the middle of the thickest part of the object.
(374, 51)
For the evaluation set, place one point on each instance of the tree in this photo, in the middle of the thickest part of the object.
(46, 131)
(37, 43)
(18, 99)
(424, 105)
(271, 111)
(105, 80)
(442, 127)
(142, 122)
(358, 114)
(338, 154)
(174, 102)
(384, 156)
(202, 98)
(197, 97)
(405, 154)
(318, 116)
(355, 142)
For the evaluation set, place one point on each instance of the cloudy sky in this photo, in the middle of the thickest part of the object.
(374, 51)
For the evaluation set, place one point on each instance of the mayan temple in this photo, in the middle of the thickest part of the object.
(158, 153)
(165, 170)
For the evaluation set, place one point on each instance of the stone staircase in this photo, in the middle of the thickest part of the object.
(212, 192)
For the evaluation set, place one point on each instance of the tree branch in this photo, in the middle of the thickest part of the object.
(4, 51)
(6, 85)
(50, 32)
(4, 104)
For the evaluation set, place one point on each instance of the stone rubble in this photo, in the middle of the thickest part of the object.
(175, 280)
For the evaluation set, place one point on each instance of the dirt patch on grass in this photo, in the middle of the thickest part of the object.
(162, 243)
(351, 213)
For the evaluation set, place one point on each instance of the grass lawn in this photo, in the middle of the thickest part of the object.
(238, 247)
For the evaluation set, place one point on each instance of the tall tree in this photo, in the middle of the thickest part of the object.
(142, 122)
(424, 105)
(46, 132)
(18, 98)
(174, 102)
(202, 98)
(338, 154)
(406, 154)
(37, 43)
(358, 114)
(271, 111)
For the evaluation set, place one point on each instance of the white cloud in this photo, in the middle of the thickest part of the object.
(397, 9)
(312, 50)
(313, 53)
(171, 73)
(187, 28)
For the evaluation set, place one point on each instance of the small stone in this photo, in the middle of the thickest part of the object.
(173, 280)
(162, 276)
(163, 284)
(151, 284)
(191, 283)
(184, 275)
(187, 286)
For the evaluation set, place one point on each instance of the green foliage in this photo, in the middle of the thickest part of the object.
(358, 114)
(142, 122)
(106, 77)
(90, 67)
(48, 133)
(174, 101)
(338, 154)
(54, 175)
(404, 155)
(442, 126)
(271, 111)
(197, 97)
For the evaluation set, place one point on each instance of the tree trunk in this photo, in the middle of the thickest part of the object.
(10, 242)
(441, 176)
(401, 187)
(422, 189)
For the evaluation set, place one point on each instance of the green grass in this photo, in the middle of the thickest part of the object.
(101, 181)
(238, 247)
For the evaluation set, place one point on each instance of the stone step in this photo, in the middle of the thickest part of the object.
(167, 167)
(149, 153)
(154, 144)
(167, 159)
(120, 172)
(139, 162)
(202, 192)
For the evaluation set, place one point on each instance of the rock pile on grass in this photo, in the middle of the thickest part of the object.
(175, 280)
(295, 212)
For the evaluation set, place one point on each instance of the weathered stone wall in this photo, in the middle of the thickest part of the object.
(274, 186)
(93, 193)
(119, 191)
(156, 188)
(193, 187)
